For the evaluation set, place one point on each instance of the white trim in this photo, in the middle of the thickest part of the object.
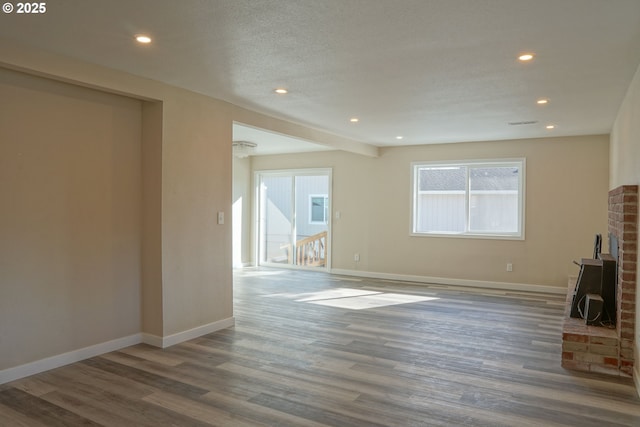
(243, 265)
(32, 368)
(196, 332)
(526, 287)
(474, 235)
(153, 340)
(288, 172)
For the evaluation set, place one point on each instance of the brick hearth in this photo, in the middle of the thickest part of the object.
(600, 349)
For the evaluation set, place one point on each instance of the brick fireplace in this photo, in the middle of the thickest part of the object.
(623, 224)
(600, 349)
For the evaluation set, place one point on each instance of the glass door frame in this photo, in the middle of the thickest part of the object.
(259, 219)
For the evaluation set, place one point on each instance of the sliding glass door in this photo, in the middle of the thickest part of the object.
(294, 218)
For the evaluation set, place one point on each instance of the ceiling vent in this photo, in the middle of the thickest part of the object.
(242, 149)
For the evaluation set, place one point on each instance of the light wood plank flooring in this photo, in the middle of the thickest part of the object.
(311, 349)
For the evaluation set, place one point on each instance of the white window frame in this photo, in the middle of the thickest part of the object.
(512, 162)
(325, 197)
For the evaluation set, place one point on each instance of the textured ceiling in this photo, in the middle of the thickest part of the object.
(429, 70)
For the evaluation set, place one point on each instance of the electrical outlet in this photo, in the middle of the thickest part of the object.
(356, 257)
(509, 267)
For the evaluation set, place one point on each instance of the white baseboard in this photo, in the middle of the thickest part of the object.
(153, 340)
(169, 340)
(32, 368)
(454, 282)
(242, 265)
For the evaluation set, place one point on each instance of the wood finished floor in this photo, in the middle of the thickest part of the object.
(310, 349)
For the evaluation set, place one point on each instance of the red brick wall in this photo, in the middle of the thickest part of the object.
(623, 223)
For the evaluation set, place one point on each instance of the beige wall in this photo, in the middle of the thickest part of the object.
(242, 205)
(566, 204)
(182, 257)
(151, 278)
(625, 169)
(70, 219)
(196, 184)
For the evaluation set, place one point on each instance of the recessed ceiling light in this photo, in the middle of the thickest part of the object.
(354, 120)
(399, 137)
(526, 57)
(281, 91)
(551, 126)
(542, 101)
(143, 39)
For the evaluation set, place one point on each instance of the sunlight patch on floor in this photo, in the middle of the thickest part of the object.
(355, 299)
(335, 294)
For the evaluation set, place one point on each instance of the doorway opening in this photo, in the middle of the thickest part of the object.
(294, 218)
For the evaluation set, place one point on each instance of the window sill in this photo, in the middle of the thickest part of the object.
(471, 236)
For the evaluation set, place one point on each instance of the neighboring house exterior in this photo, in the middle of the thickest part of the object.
(442, 200)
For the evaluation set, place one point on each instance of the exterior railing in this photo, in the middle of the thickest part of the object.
(310, 251)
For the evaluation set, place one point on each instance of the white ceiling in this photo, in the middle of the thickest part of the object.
(430, 70)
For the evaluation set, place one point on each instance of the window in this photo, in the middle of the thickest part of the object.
(469, 199)
(318, 209)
